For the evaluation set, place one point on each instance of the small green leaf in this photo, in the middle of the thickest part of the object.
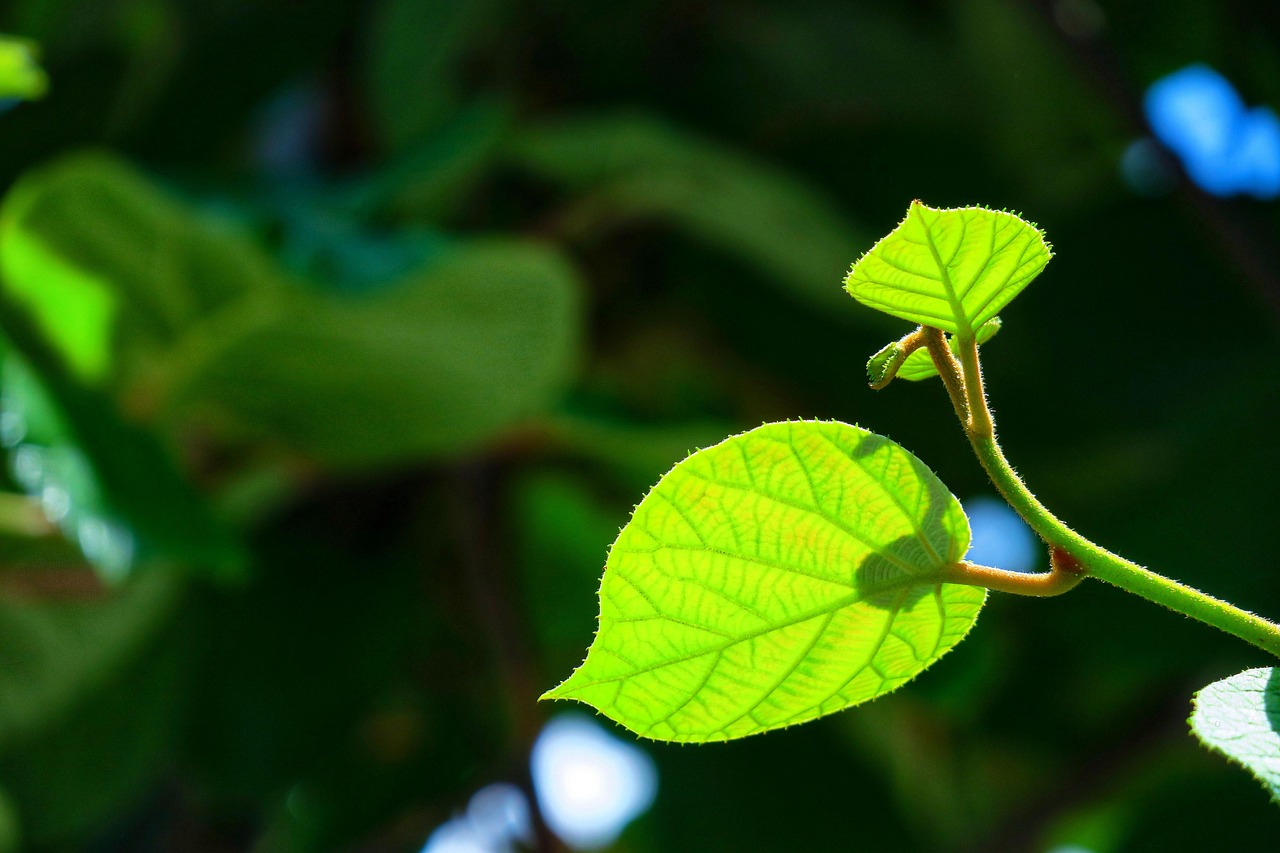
(783, 574)
(919, 365)
(20, 74)
(1240, 718)
(881, 366)
(952, 269)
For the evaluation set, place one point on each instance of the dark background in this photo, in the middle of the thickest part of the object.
(356, 568)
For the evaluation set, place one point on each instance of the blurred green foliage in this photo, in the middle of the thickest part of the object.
(346, 335)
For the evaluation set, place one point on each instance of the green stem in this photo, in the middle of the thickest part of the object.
(1095, 560)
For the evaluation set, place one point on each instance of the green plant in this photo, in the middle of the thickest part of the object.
(804, 567)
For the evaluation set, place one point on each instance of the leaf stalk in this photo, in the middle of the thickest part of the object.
(1092, 559)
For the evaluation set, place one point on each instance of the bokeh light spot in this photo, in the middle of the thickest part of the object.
(589, 783)
(1225, 147)
(1001, 539)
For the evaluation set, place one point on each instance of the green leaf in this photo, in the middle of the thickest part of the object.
(783, 574)
(637, 166)
(953, 269)
(1239, 717)
(430, 181)
(433, 365)
(415, 50)
(20, 74)
(919, 365)
(880, 366)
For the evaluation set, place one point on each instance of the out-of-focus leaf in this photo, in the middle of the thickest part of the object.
(433, 365)
(107, 483)
(429, 181)
(10, 825)
(563, 531)
(20, 74)
(53, 655)
(953, 269)
(1239, 717)
(336, 252)
(789, 572)
(414, 49)
(638, 167)
(636, 454)
(89, 768)
(114, 270)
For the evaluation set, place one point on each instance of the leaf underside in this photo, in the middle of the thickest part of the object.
(783, 574)
(1239, 717)
(953, 269)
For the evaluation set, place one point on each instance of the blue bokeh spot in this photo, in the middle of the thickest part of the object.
(1226, 148)
(1000, 538)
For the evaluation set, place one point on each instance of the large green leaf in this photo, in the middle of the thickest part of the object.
(435, 364)
(1240, 718)
(639, 167)
(785, 573)
(953, 269)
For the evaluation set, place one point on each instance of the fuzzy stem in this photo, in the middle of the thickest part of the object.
(1064, 574)
(949, 369)
(1093, 559)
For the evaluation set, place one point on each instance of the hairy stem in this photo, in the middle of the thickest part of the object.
(1065, 572)
(1093, 559)
(980, 420)
(949, 369)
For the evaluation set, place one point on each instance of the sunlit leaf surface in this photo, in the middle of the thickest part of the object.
(953, 269)
(1240, 718)
(783, 574)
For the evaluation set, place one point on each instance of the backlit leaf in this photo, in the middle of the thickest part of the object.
(783, 574)
(1240, 718)
(953, 269)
